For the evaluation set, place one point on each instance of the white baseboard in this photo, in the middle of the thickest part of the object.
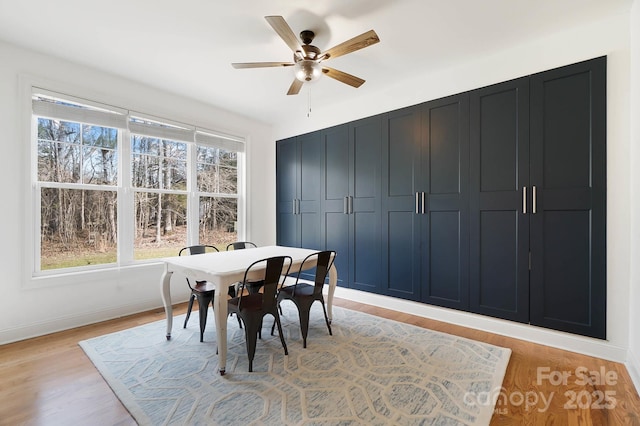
(633, 367)
(566, 341)
(73, 321)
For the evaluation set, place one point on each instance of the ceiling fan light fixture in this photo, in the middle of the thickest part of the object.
(307, 70)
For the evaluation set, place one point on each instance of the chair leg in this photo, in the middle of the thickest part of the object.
(191, 299)
(203, 304)
(284, 344)
(303, 314)
(273, 326)
(326, 317)
(251, 336)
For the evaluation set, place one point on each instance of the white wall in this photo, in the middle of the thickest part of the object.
(32, 307)
(633, 362)
(610, 37)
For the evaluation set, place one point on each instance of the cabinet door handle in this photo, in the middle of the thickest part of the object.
(535, 200)
(350, 204)
(417, 203)
(345, 206)
(524, 200)
(423, 197)
(294, 206)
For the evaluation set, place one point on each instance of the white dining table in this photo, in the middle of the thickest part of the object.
(224, 269)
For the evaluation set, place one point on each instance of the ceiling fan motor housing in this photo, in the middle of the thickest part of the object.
(307, 36)
(308, 52)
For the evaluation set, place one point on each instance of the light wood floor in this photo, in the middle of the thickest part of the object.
(49, 381)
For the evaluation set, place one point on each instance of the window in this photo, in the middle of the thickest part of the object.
(217, 171)
(178, 185)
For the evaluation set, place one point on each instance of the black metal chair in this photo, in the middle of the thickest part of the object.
(303, 295)
(252, 286)
(204, 291)
(239, 245)
(251, 308)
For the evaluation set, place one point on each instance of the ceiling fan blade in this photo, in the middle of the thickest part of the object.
(356, 43)
(239, 65)
(295, 87)
(343, 77)
(285, 32)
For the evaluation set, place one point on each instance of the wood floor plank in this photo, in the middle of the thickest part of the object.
(49, 380)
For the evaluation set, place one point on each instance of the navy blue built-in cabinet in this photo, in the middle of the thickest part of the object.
(491, 201)
(425, 209)
(500, 205)
(350, 193)
(299, 167)
(568, 167)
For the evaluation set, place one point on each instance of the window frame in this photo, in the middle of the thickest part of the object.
(125, 190)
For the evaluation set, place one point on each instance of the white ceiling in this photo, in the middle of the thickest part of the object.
(187, 46)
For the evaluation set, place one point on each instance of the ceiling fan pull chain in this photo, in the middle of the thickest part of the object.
(309, 103)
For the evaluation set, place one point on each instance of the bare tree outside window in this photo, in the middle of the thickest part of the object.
(159, 167)
(168, 169)
(218, 220)
(78, 226)
(160, 217)
(218, 176)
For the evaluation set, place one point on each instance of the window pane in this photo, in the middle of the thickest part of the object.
(228, 158)
(58, 162)
(57, 130)
(228, 180)
(207, 178)
(207, 155)
(161, 227)
(145, 145)
(217, 170)
(218, 221)
(175, 174)
(64, 150)
(100, 166)
(158, 164)
(144, 171)
(99, 136)
(78, 228)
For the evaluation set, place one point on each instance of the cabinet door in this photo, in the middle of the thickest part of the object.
(309, 183)
(568, 161)
(287, 171)
(298, 174)
(401, 213)
(499, 222)
(335, 189)
(365, 139)
(445, 180)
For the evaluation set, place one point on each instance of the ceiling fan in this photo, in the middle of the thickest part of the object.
(308, 59)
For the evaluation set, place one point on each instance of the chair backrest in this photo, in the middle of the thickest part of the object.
(277, 267)
(240, 245)
(323, 264)
(197, 249)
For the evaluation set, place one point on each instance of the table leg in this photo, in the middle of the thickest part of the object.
(333, 282)
(166, 299)
(220, 313)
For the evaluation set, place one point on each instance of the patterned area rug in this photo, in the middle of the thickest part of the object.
(372, 371)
